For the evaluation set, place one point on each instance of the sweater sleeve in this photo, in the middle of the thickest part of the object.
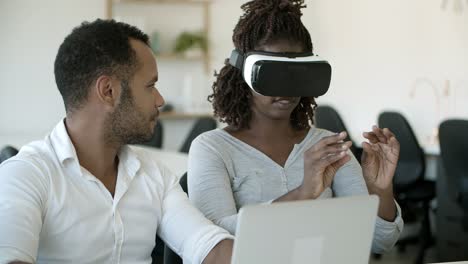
(209, 185)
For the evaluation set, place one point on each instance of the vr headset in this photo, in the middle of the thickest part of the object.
(283, 74)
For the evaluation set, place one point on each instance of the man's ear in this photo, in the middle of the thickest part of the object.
(107, 89)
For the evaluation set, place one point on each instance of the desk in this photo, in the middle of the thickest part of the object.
(175, 161)
(458, 262)
(176, 127)
(182, 115)
(431, 149)
(432, 152)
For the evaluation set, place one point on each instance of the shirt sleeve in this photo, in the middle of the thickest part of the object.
(23, 195)
(350, 181)
(209, 185)
(183, 228)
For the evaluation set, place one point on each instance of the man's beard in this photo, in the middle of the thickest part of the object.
(127, 125)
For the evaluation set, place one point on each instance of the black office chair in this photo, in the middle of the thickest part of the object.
(183, 183)
(452, 183)
(412, 191)
(453, 137)
(327, 117)
(157, 140)
(201, 125)
(157, 255)
(7, 152)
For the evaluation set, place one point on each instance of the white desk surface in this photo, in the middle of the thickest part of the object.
(432, 149)
(175, 161)
(457, 262)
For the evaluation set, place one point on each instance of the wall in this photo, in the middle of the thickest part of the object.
(31, 32)
(382, 50)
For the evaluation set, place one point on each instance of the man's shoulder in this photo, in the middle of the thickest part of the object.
(152, 166)
(37, 154)
(148, 161)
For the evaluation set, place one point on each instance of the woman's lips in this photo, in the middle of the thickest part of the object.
(284, 102)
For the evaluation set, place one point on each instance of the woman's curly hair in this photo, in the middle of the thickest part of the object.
(263, 21)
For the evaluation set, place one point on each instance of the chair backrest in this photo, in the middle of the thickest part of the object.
(201, 125)
(327, 117)
(7, 152)
(453, 138)
(183, 183)
(411, 164)
(157, 139)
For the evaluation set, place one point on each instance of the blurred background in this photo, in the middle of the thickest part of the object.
(398, 56)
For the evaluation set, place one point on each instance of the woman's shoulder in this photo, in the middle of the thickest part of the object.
(211, 137)
(216, 139)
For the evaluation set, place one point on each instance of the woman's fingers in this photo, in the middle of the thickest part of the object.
(380, 135)
(333, 139)
(371, 136)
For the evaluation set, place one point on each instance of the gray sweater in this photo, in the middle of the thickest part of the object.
(225, 174)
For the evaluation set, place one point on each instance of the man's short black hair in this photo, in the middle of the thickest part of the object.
(93, 49)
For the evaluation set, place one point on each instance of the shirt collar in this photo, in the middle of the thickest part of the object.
(62, 143)
(130, 161)
(65, 150)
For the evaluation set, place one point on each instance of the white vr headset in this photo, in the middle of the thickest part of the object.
(283, 74)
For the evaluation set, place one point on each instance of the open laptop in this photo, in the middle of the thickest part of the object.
(328, 231)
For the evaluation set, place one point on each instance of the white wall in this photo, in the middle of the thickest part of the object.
(31, 32)
(379, 51)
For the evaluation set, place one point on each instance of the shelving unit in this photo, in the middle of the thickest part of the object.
(205, 14)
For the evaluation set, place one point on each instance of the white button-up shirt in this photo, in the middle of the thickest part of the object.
(52, 210)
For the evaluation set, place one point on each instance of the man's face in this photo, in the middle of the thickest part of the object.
(134, 119)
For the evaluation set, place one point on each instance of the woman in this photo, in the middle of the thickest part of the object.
(269, 152)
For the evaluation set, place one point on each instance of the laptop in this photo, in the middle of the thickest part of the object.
(328, 231)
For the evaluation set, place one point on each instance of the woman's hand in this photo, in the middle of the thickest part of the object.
(379, 160)
(321, 162)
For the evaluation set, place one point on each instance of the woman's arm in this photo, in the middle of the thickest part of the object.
(350, 181)
(209, 185)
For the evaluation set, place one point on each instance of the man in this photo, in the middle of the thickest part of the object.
(82, 195)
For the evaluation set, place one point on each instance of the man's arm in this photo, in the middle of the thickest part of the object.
(221, 253)
(187, 231)
(23, 193)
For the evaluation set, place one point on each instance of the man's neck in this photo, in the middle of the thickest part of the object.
(94, 152)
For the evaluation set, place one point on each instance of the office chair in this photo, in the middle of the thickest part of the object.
(412, 191)
(327, 117)
(7, 152)
(452, 183)
(157, 139)
(183, 183)
(201, 125)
